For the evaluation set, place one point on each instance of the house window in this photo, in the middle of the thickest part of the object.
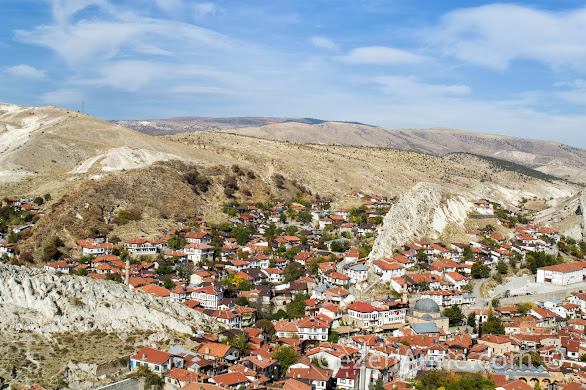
(157, 368)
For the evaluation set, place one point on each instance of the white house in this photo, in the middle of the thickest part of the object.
(387, 270)
(157, 361)
(562, 274)
(208, 296)
(198, 238)
(312, 328)
(357, 273)
(199, 252)
(141, 246)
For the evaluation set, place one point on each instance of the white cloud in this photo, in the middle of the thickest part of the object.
(495, 35)
(200, 90)
(324, 43)
(204, 9)
(410, 88)
(380, 55)
(26, 72)
(574, 93)
(62, 97)
(90, 41)
(63, 10)
(169, 5)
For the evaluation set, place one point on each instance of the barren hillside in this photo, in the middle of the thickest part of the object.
(336, 170)
(549, 157)
(43, 146)
(93, 169)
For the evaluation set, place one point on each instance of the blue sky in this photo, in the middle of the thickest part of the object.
(504, 68)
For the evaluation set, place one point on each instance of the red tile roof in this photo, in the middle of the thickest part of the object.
(151, 355)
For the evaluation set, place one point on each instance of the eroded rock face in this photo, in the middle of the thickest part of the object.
(34, 300)
(423, 211)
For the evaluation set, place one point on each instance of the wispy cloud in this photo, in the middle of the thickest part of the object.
(410, 87)
(204, 9)
(88, 41)
(495, 35)
(169, 5)
(64, 96)
(323, 42)
(380, 55)
(26, 72)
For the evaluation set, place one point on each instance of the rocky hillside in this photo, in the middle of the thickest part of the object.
(566, 215)
(34, 301)
(548, 157)
(45, 146)
(56, 329)
(423, 211)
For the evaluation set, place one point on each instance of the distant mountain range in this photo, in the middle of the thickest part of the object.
(546, 156)
(188, 124)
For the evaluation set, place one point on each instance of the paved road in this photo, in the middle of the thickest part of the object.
(480, 301)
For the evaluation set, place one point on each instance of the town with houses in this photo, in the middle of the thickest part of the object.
(301, 306)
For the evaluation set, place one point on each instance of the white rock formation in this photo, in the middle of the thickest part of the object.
(423, 211)
(33, 300)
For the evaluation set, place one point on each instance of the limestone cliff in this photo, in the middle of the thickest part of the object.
(33, 300)
(423, 211)
(566, 215)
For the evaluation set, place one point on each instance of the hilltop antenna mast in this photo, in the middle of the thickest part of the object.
(82, 106)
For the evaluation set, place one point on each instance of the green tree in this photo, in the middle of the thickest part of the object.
(421, 255)
(51, 251)
(286, 356)
(495, 302)
(337, 246)
(114, 277)
(493, 325)
(267, 326)
(240, 233)
(479, 270)
(319, 362)
(454, 314)
(293, 271)
(333, 337)
(502, 268)
(467, 252)
(168, 283)
(151, 379)
(296, 308)
(471, 320)
(524, 307)
(305, 216)
(242, 301)
(270, 232)
(291, 230)
(240, 342)
(378, 385)
(436, 379)
(529, 357)
(364, 251)
(279, 315)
